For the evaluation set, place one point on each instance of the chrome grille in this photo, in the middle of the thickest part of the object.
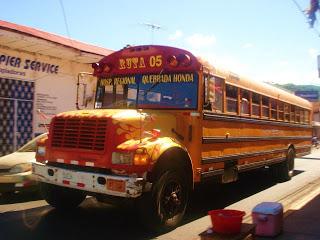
(81, 133)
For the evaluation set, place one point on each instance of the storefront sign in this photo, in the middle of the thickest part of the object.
(311, 96)
(26, 64)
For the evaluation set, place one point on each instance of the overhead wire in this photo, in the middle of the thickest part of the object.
(65, 21)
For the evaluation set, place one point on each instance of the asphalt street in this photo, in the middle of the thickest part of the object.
(27, 216)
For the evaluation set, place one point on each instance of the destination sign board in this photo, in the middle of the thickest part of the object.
(149, 79)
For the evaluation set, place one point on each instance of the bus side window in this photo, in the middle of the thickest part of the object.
(297, 115)
(265, 107)
(281, 111)
(292, 113)
(245, 102)
(273, 104)
(306, 116)
(213, 94)
(232, 98)
(256, 104)
(286, 112)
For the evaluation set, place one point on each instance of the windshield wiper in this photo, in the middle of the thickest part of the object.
(152, 87)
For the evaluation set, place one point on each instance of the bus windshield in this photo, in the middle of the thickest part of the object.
(152, 91)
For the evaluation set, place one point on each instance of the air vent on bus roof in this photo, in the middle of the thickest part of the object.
(139, 49)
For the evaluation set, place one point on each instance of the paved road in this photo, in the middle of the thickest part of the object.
(26, 216)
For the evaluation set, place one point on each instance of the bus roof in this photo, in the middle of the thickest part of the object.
(134, 59)
(255, 86)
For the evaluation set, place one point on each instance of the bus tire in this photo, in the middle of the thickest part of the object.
(61, 197)
(284, 171)
(164, 207)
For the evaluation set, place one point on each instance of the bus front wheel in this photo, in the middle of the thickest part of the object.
(164, 208)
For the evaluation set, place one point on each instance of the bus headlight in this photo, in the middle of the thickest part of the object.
(122, 158)
(41, 151)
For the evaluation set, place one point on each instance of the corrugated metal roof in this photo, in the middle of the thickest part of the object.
(55, 38)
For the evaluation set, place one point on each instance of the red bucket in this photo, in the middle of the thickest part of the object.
(226, 221)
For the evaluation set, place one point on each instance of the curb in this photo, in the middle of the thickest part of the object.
(296, 199)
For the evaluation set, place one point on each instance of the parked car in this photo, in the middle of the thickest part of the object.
(15, 168)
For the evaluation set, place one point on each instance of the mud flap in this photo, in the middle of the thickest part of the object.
(230, 171)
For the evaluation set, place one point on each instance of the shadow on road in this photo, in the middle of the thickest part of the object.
(19, 197)
(94, 220)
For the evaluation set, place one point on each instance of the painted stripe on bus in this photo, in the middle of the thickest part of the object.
(214, 117)
(211, 139)
(208, 160)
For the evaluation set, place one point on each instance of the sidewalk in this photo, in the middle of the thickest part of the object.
(303, 223)
(302, 218)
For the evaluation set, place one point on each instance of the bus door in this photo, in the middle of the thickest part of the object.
(214, 129)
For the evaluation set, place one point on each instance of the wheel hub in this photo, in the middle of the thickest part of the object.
(172, 200)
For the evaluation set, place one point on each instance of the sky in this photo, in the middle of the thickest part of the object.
(265, 40)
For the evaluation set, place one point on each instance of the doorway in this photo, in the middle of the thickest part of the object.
(16, 114)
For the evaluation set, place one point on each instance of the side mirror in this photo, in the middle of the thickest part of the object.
(80, 82)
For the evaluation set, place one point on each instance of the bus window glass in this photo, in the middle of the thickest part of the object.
(281, 111)
(245, 104)
(169, 91)
(292, 113)
(232, 98)
(297, 118)
(273, 104)
(265, 106)
(215, 93)
(286, 112)
(107, 95)
(120, 96)
(256, 104)
(306, 116)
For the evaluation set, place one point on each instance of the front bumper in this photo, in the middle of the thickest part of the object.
(17, 182)
(121, 186)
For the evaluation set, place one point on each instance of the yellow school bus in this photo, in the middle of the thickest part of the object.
(163, 121)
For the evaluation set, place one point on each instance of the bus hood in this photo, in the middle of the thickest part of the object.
(133, 123)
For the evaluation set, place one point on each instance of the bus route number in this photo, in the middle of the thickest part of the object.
(139, 62)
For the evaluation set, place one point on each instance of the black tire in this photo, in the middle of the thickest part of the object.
(61, 197)
(164, 207)
(284, 171)
(7, 195)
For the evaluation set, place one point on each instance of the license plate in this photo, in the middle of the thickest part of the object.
(116, 185)
(67, 175)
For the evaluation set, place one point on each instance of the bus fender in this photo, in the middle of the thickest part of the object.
(172, 157)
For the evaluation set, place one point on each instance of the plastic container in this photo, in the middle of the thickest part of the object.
(226, 221)
(268, 217)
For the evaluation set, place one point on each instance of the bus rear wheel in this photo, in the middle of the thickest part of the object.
(164, 208)
(61, 197)
(284, 171)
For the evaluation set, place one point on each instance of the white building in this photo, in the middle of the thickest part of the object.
(38, 79)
